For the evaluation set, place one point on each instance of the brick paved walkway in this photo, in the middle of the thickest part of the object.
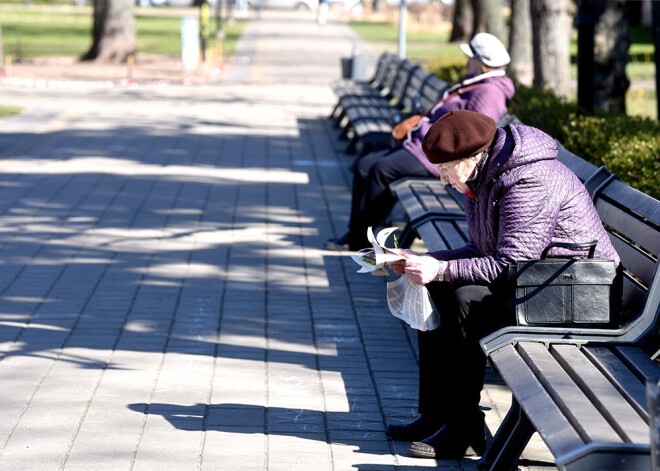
(164, 301)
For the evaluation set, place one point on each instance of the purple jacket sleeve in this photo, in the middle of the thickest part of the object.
(528, 213)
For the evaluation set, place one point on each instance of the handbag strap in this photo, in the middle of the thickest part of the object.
(460, 91)
(572, 245)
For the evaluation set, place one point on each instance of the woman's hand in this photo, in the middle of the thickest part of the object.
(422, 269)
(399, 266)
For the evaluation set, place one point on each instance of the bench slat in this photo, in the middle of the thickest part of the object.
(620, 376)
(628, 197)
(438, 196)
(454, 237)
(573, 403)
(428, 198)
(638, 361)
(437, 202)
(432, 240)
(624, 223)
(607, 399)
(410, 203)
(560, 436)
(633, 296)
(633, 260)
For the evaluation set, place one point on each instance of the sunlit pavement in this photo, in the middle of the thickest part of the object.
(164, 299)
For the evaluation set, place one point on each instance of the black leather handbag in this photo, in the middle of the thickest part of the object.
(565, 291)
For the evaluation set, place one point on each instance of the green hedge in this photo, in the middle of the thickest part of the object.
(628, 146)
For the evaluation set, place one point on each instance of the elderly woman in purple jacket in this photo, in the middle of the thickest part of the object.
(518, 199)
(486, 89)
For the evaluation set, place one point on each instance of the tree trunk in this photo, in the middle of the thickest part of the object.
(461, 30)
(480, 19)
(113, 32)
(551, 34)
(494, 18)
(656, 43)
(2, 55)
(521, 68)
(611, 43)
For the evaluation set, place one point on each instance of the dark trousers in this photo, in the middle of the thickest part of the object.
(451, 362)
(372, 199)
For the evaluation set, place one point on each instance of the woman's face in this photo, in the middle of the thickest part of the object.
(457, 172)
(474, 66)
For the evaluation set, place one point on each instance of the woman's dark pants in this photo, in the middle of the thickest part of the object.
(451, 362)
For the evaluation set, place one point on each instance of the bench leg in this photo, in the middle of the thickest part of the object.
(407, 236)
(343, 135)
(337, 121)
(333, 116)
(351, 148)
(509, 441)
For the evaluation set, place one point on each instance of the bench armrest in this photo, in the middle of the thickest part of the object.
(572, 335)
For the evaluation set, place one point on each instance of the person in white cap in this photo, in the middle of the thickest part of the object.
(486, 90)
(487, 49)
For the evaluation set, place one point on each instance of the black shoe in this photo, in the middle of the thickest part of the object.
(341, 243)
(448, 443)
(418, 429)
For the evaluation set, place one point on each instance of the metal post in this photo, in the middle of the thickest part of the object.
(204, 13)
(403, 10)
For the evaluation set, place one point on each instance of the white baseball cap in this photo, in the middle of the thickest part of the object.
(487, 49)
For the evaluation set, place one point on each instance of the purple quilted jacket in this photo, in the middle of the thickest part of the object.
(525, 199)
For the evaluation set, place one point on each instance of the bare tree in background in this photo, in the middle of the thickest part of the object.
(551, 34)
(521, 68)
(611, 43)
(461, 30)
(491, 11)
(476, 16)
(113, 32)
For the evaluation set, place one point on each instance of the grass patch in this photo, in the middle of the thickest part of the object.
(421, 46)
(31, 34)
(6, 111)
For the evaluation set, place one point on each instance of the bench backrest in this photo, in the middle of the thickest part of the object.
(507, 119)
(632, 219)
(431, 93)
(390, 76)
(411, 94)
(381, 70)
(401, 81)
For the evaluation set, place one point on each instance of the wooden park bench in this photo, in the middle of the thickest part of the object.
(396, 81)
(370, 119)
(375, 85)
(581, 389)
(381, 86)
(368, 122)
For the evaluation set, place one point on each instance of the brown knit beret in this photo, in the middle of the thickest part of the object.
(457, 135)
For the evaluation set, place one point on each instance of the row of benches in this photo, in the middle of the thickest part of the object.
(366, 111)
(582, 390)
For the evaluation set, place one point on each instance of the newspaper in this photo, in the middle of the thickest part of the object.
(412, 303)
(408, 301)
(373, 260)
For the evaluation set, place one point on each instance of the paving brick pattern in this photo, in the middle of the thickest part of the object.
(164, 301)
